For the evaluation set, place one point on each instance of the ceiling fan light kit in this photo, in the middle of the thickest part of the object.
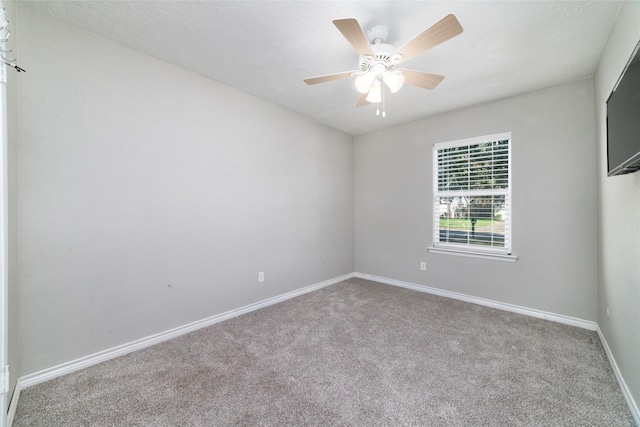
(375, 92)
(394, 80)
(378, 59)
(364, 81)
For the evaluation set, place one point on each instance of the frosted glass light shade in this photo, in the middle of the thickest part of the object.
(394, 80)
(375, 94)
(363, 82)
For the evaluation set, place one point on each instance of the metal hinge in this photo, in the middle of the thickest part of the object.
(4, 380)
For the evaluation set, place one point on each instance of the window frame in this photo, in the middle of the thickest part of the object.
(474, 250)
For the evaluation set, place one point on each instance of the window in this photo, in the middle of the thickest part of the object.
(472, 196)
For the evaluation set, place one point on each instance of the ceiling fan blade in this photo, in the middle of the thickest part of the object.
(443, 30)
(418, 78)
(352, 31)
(328, 77)
(362, 100)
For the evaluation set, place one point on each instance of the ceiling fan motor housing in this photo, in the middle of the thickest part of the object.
(383, 56)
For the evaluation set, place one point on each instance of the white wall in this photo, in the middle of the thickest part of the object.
(150, 197)
(554, 202)
(619, 217)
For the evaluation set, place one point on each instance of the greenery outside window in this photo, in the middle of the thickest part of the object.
(472, 195)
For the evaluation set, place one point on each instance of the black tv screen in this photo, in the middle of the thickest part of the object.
(623, 121)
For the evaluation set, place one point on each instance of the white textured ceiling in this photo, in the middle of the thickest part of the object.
(266, 48)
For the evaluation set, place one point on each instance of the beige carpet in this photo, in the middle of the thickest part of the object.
(357, 353)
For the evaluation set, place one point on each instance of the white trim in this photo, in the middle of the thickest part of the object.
(506, 192)
(13, 403)
(102, 356)
(623, 385)
(558, 318)
(4, 379)
(472, 254)
(83, 362)
(502, 136)
(4, 251)
(105, 355)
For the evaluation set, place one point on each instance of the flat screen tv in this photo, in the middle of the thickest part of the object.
(623, 120)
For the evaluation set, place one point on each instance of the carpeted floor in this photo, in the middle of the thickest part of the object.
(357, 353)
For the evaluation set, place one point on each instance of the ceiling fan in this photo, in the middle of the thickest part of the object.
(378, 60)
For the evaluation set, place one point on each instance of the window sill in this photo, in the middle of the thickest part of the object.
(472, 254)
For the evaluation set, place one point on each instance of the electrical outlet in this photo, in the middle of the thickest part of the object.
(607, 312)
(261, 277)
(423, 266)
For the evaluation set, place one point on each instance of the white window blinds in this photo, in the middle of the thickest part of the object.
(472, 194)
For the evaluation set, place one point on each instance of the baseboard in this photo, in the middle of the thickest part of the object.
(13, 404)
(623, 385)
(75, 365)
(559, 318)
(102, 356)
